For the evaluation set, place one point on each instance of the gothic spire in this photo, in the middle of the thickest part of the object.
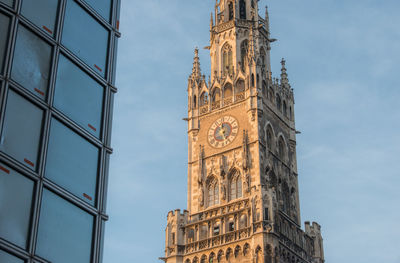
(284, 75)
(196, 71)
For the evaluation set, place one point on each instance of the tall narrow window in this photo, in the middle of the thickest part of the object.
(244, 47)
(72, 162)
(85, 37)
(4, 23)
(235, 186)
(63, 227)
(21, 116)
(284, 108)
(281, 148)
(31, 64)
(15, 203)
(213, 192)
(227, 60)
(278, 102)
(269, 138)
(230, 11)
(78, 96)
(242, 9)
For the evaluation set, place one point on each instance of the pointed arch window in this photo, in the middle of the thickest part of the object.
(230, 7)
(213, 193)
(227, 60)
(228, 91)
(269, 138)
(278, 102)
(204, 99)
(244, 47)
(281, 148)
(216, 95)
(242, 9)
(284, 108)
(235, 187)
(262, 57)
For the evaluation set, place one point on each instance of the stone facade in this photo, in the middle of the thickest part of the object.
(243, 198)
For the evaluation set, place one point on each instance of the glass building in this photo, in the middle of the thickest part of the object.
(57, 75)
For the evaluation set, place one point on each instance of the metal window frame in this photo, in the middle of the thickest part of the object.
(98, 211)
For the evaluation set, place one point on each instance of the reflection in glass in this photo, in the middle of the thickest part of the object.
(31, 65)
(79, 96)
(72, 162)
(15, 206)
(8, 2)
(4, 22)
(103, 7)
(7, 258)
(42, 13)
(65, 231)
(85, 37)
(20, 137)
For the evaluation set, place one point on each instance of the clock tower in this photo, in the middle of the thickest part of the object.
(243, 195)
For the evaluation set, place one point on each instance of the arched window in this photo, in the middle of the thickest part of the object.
(239, 86)
(216, 95)
(227, 60)
(235, 186)
(196, 260)
(220, 255)
(262, 56)
(230, 11)
(278, 102)
(265, 88)
(281, 149)
(211, 258)
(203, 259)
(213, 192)
(269, 137)
(284, 108)
(228, 90)
(242, 9)
(244, 47)
(271, 94)
(203, 99)
(187, 261)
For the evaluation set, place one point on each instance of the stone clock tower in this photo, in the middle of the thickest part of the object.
(243, 194)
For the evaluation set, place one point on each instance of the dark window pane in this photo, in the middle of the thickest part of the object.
(31, 64)
(21, 131)
(15, 203)
(79, 96)
(103, 7)
(7, 258)
(84, 36)
(4, 22)
(72, 162)
(65, 231)
(42, 13)
(8, 2)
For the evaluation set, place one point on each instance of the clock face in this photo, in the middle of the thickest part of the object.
(223, 131)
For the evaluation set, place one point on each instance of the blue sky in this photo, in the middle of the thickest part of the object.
(342, 59)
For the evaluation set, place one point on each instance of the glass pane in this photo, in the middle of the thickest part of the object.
(72, 162)
(21, 116)
(31, 66)
(103, 7)
(85, 37)
(16, 198)
(8, 2)
(7, 258)
(42, 13)
(65, 231)
(79, 96)
(4, 22)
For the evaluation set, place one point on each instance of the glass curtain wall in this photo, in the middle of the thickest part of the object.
(57, 77)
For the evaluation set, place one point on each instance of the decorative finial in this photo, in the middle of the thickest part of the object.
(196, 71)
(284, 75)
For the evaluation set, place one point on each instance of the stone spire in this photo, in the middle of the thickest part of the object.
(284, 75)
(266, 19)
(196, 71)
